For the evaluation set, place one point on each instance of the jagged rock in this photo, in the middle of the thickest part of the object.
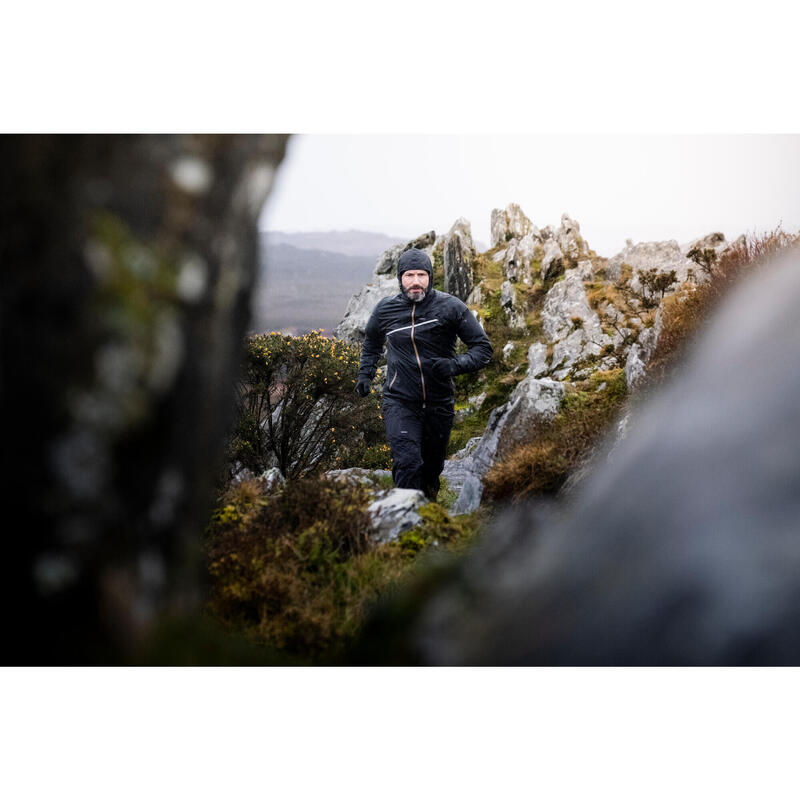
(661, 256)
(458, 466)
(508, 302)
(353, 326)
(570, 323)
(532, 399)
(475, 296)
(387, 261)
(499, 256)
(585, 270)
(359, 475)
(508, 224)
(126, 297)
(552, 261)
(458, 254)
(711, 241)
(642, 351)
(508, 349)
(569, 238)
(394, 512)
(518, 257)
(537, 359)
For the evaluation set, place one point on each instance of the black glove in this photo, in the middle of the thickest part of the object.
(443, 368)
(363, 387)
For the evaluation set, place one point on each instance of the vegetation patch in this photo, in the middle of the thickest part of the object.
(541, 464)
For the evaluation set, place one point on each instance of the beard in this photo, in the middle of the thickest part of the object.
(416, 294)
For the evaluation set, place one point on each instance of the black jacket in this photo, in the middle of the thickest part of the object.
(417, 334)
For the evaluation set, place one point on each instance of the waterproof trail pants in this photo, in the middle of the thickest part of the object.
(418, 439)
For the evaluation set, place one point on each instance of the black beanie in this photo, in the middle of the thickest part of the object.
(414, 259)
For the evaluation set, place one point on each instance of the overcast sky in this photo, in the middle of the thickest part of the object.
(617, 187)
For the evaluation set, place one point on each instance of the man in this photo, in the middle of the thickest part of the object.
(420, 326)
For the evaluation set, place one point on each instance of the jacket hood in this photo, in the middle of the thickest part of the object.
(414, 259)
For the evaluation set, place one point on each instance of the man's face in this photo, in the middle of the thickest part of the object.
(415, 284)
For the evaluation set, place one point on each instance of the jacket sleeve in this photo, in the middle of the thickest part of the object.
(373, 346)
(475, 338)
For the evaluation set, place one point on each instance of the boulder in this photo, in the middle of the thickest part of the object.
(537, 359)
(508, 349)
(394, 512)
(459, 252)
(271, 480)
(359, 475)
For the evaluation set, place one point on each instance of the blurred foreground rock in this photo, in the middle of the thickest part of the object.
(128, 263)
(683, 549)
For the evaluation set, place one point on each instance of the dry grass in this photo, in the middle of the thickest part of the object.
(686, 311)
(542, 464)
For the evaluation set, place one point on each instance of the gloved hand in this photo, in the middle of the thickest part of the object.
(363, 387)
(443, 368)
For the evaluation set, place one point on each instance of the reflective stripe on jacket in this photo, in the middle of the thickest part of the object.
(416, 334)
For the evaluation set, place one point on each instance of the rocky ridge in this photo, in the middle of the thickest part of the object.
(557, 314)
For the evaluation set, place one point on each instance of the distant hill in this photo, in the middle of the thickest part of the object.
(303, 289)
(349, 243)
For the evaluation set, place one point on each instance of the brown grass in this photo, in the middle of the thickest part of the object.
(686, 311)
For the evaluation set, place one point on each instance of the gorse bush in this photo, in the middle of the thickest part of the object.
(297, 409)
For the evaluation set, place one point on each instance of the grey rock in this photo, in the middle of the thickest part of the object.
(353, 326)
(537, 359)
(585, 270)
(508, 302)
(510, 223)
(508, 349)
(475, 296)
(271, 480)
(359, 475)
(387, 261)
(459, 252)
(569, 238)
(394, 512)
(661, 256)
(459, 465)
(531, 400)
(552, 261)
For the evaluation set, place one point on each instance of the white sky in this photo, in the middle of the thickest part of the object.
(617, 187)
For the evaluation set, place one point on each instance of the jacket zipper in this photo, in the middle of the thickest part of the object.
(416, 353)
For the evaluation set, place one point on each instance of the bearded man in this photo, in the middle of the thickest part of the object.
(420, 326)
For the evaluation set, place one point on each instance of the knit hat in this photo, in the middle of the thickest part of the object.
(414, 259)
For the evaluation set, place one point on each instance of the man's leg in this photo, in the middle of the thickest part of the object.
(404, 432)
(435, 438)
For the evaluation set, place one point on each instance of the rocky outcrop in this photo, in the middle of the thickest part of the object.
(387, 261)
(126, 296)
(531, 400)
(459, 252)
(508, 302)
(552, 260)
(354, 324)
(569, 239)
(571, 325)
(459, 465)
(518, 257)
(642, 351)
(510, 223)
(384, 284)
(660, 256)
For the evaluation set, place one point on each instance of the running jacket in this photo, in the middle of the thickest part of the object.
(415, 335)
